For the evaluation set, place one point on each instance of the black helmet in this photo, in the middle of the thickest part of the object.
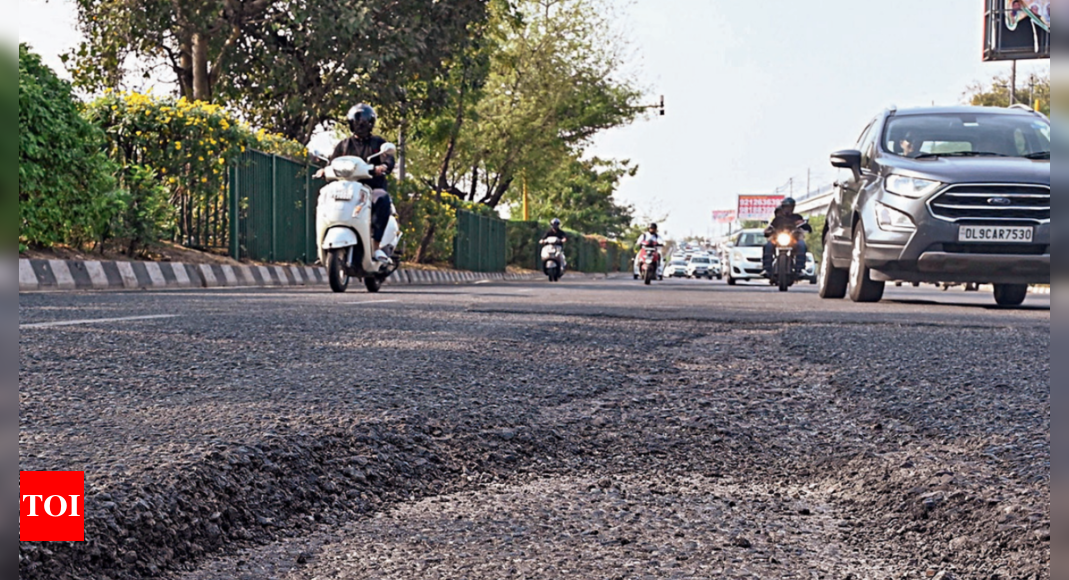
(362, 120)
(788, 202)
(555, 223)
(653, 227)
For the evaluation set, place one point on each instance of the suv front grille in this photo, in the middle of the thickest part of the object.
(993, 202)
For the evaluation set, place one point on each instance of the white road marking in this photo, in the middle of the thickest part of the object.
(96, 274)
(370, 302)
(181, 275)
(27, 277)
(484, 281)
(97, 321)
(156, 275)
(126, 272)
(62, 272)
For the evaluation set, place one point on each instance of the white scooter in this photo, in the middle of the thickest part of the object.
(553, 258)
(343, 225)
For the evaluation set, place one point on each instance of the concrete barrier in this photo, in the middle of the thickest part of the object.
(55, 275)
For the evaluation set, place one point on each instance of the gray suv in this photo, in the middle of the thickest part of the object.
(942, 195)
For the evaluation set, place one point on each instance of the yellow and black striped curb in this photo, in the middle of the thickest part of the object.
(54, 275)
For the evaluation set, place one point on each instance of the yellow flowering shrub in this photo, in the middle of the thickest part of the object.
(188, 144)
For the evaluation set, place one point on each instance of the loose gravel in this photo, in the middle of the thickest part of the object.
(252, 443)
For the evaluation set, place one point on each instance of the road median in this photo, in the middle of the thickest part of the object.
(60, 275)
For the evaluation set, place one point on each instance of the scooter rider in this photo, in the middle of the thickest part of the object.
(650, 238)
(556, 232)
(364, 144)
(786, 220)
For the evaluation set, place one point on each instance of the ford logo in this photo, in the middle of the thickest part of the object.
(1000, 201)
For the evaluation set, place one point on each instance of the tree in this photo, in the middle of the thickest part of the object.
(997, 93)
(580, 193)
(553, 80)
(287, 65)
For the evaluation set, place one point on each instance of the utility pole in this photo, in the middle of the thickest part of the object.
(1013, 84)
(526, 202)
(808, 181)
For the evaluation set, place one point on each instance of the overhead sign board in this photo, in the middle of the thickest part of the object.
(758, 207)
(1017, 29)
(724, 216)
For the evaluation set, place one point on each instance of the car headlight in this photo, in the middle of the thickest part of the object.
(893, 220)
(911, 187)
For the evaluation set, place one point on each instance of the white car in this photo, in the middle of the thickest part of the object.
(810, 272)
(676, 269)
(745, 252)
(700, 266)
(716, 267)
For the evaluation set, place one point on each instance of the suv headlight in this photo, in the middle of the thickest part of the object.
(911, 187)
(893, 220)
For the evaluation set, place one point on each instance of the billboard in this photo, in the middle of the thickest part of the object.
(724, 216)
(758, 207)
(1017, 29)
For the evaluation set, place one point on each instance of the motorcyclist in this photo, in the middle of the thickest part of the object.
(649, 241)
(786, 220)
(555, 231)
(364, 144)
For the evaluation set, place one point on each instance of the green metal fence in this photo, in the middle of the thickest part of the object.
(275, 201)
(480, 243)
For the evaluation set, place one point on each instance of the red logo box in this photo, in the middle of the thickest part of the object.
(51, 506)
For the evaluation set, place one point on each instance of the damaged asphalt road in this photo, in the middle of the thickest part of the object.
(591, 430)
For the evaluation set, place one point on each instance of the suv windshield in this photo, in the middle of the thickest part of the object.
(751, 240)
(699, 260)
(969, 134)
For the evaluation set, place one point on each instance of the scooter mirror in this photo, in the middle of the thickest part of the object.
(318, 153)
(388, 149)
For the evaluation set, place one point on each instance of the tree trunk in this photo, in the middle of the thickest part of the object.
(425, 243)
(202, 88)
(493, 197)
(185, 72)
(443, 173)
(474, 183)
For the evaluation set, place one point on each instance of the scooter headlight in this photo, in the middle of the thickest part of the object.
(785, 239)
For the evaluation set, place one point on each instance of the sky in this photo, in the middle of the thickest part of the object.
(757, 92)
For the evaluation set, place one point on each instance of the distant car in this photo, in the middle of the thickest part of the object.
(745, 253)
(716, 267)
(700, 266)
(676, 269)
(810, 272)
(638, 269)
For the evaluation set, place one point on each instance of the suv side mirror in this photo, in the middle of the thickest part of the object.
(848, 159)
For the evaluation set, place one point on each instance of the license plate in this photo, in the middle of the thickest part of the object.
(994, 234)
(343, 195)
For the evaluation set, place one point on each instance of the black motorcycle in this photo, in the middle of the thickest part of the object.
(784, 273)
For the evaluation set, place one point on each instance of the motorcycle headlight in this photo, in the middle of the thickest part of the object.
(911, 187)
(893, 220)
(785, 239)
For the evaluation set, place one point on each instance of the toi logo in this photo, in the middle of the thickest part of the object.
(51, 506)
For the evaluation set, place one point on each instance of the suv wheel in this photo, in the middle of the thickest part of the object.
(1010, 294)
(832, 280)
(862, 287)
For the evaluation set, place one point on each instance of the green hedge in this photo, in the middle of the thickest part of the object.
(67, 189)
